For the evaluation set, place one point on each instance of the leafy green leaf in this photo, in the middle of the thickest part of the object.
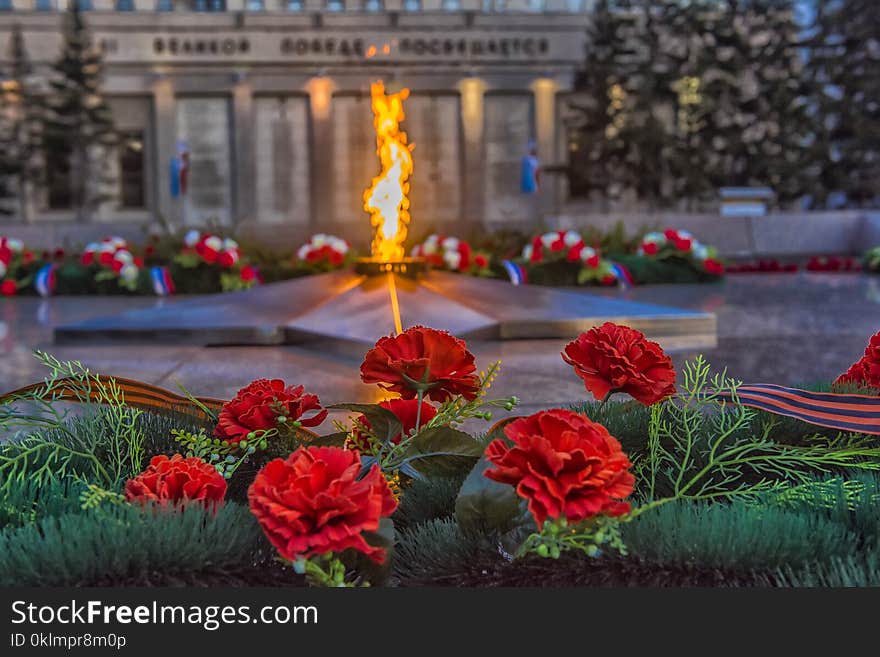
(441, 450)
(383, 422)
(336, 439)
(484, 504)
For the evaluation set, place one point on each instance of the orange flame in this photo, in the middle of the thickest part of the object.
(386, 199)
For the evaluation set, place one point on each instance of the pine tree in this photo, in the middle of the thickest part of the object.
(596, 152)
(844, 65)
(20, 113)
(78, 124)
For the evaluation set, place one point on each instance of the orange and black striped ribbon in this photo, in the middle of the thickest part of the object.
(844, 412)
(137, 394)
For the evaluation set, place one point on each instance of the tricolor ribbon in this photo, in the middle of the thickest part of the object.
(163, 285)
(515, 272)
(622, 274)
(844, 412)
(44, 280)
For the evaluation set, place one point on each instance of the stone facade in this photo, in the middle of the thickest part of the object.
(273, 107)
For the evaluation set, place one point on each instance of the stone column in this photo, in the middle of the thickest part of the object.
(320, 91)
(165, 125)
(544, 90)
(245, 154)
(472, 90)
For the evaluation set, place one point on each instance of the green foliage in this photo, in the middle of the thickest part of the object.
(701, 448)
(850, 571)
(589, 537)
(439, 549)
(120, 541)
(426, 499)
(103, 445)
(627, 421)
(738, 535)
(24, 501)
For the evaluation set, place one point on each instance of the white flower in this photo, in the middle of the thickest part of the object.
(571, 238)
(450, 244)
(14, 245)
(117, 242)
(654, 238)
(229, 244)
(319, 240)
(548, 238)
(91, 247)
(452, 259)
(527, 252)
(684, 235)
(339, 245)
(432, 238)
(429, 248)
(192, 238)
(123, 256)
(303, 251)
(129, 273)
(587, 252)
(107, 247)
(701, 252)
(214, 243)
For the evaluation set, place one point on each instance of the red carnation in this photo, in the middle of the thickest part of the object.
(106, 258)
(8, 288)
(117, 265)
(406, 411)
(226, 259)
(650, 248)
(683, 244)
(5, 254)
(248, 273)
(138, 261)
(609, 279)
(671, 234)
(27, 257)
(177, 480)
(592, 261)
(481, 261)
(713, 266)
(866, 370)
(87, 258)
(422, 358)
(564, 464)
(314, 502)
(612, 358)
(557, 245)
(258, 406)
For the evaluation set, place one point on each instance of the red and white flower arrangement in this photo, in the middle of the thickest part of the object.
(569, 246)
(114, 259)
(324, 252)
(13, 255)
(681, 243)
(451, 253)
(212, 248)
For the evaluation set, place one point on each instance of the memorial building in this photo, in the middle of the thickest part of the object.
(266, 104)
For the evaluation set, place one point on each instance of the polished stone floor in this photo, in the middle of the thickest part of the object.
(780, 328)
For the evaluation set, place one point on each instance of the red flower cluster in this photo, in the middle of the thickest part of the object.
(406, 411)
(446, 252)
(314, 502)
(714, 267)
(176, 481)
(612, 358)
(564, 465)
(324, 251)
(763, 266)
(560, 245)
(8, 288)
(114, 253)
(682, 240)
(866, 370)
(833, 264)
(258, 406)
(212, 249)
(422, 358)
